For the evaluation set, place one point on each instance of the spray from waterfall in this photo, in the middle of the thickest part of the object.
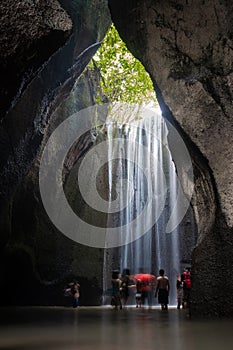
(127, 163)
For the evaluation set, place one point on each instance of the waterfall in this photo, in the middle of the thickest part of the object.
(136, 175)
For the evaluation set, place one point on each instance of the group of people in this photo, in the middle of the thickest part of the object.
(145, 286)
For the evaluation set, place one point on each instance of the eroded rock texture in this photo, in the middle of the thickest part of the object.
(36, 259)
(186, 46)
(30, 32)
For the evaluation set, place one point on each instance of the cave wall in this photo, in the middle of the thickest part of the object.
(31, 31)
(36, 260)
(186, 46)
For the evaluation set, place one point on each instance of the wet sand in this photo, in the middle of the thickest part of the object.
(102, 328)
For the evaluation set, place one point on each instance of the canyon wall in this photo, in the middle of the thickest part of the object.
(45, 47)
(186, 46)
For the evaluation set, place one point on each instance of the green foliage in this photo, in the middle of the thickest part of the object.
(123, 77)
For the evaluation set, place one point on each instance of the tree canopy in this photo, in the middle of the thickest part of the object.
(123, 77)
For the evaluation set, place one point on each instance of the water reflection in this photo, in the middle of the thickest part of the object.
(106, 329)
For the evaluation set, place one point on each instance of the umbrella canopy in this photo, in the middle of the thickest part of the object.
(147, 280)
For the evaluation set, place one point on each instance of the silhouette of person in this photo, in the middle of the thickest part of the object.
(186, 279)
(179, 291)
(116, 285)
(124, 289)
(138, 296)
(162, 289)
(74, 289)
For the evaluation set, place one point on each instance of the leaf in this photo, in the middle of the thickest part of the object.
(123, 77)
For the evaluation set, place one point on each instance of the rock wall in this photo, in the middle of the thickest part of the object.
(48, 44)
(31, 31)
(186, 46)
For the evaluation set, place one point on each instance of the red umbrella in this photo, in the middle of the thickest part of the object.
(147, 280)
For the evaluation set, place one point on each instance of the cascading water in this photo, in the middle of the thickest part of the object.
(136, 175)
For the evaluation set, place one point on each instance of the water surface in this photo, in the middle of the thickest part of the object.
(102, 328)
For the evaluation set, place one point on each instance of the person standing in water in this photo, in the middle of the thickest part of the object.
(74, 290)
(138, 296)
(124, 289)
(186, 279)
(162, 290)
(179, 290)
(116, 285)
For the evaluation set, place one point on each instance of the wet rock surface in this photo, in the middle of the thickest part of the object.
(187, 49)
(37, 261)
(31, 31)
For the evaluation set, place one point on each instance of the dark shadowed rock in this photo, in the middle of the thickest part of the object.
(186, 47)
(30, 32)
(39, 38)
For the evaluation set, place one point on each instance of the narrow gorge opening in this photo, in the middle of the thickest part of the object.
(138, 180)
(187, 49)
